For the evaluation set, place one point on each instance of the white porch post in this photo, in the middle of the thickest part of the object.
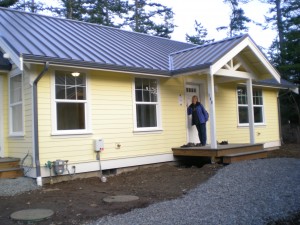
(212, 110)
(250, 111)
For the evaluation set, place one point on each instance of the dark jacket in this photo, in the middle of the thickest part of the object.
(201, 112)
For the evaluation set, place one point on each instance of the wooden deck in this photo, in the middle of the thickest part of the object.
(225, 153)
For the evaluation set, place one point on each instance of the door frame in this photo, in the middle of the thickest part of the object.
(201, 97)
(1, 117)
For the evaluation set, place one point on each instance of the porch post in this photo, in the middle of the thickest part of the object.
(250, 111)
(212, 110)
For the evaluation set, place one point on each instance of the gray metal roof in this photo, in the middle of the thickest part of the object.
(274, 83)
(202, 56)
(40, 38)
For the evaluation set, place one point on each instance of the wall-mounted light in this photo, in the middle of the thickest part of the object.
(75, 74)
(6, 56)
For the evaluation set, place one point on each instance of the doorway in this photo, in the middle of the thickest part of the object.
(190, 91)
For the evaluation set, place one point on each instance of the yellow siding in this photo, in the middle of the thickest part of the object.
(227, 117)
(5, 115)
(20, 146)
(110, 97)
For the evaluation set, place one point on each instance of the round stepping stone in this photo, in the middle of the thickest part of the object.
(120, 198)
(32, 214)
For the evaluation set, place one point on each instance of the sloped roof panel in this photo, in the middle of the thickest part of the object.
(203, 55)
(44, 37)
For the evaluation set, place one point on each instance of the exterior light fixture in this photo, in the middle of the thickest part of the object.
(6, 56)
(75, 74)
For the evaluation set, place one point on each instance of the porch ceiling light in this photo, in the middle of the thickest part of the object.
(75, 74)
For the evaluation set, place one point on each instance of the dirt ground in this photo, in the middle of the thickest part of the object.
(80, 201)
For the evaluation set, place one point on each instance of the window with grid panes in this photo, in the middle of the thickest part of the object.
(146, 101)
(243, 105)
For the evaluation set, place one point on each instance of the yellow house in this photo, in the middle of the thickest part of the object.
(70, 89)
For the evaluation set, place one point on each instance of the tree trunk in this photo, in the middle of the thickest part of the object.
(280, 29)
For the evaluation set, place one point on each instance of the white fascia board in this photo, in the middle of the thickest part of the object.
(237, 49)
(263, 59)
(237, 74)
(17, 60)
(227, 57)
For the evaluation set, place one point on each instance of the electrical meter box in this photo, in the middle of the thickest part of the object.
(59, 167)
(99, 145)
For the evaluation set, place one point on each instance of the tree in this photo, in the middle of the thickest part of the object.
(7, 3)
(70, 9)
(105, 11)
(238, 20)
(200, 37)
(28, 5)
(144, 16)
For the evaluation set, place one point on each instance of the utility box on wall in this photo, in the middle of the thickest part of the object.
(99, 145)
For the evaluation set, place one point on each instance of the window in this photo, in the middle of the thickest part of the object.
(70, 102)
(16, 105)
(146, 104)
(243, 106)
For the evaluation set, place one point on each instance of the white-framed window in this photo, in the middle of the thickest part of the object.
(16, 122)
(70, 103)
(147, 104)
(258, 106)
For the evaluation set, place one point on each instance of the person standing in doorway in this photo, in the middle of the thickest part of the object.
(199, 118)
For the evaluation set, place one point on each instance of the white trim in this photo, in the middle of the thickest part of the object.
(231, 73)
(158, 108)
(212, 110)
(247, 42)
(272, 144)
(1, 119)
(12, 74)
(86, 102)
(92, 166)
(250, 111)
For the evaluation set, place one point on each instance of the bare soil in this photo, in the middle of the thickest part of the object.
(80, 201)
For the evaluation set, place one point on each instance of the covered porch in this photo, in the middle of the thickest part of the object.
(240, 63)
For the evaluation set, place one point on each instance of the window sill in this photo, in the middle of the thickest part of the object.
(16, 135)
(255, 125)
(71, 133)
(148, 131)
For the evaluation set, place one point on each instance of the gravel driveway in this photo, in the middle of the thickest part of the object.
(249, 192)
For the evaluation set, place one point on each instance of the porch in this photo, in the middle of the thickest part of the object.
(228, 153)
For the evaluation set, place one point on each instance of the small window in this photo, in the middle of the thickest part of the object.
(146, 103)
(70, 102)
(16, 105)
(243, 106)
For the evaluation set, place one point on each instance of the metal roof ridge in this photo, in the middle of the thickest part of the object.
(213, 43)
(92, 24)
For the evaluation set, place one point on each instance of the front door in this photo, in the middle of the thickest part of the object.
(1, 117)
(192, 133)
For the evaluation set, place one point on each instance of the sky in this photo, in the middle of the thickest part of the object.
(213, 14)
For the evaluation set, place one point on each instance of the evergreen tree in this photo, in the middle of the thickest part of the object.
(70, 9)
(28, 5)
(238, 20)
(105, 11)
(200, 37)
(144, 16)
(7, 3)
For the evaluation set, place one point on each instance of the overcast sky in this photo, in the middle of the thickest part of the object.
(213, 14)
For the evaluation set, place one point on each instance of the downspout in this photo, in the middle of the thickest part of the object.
(35, 124)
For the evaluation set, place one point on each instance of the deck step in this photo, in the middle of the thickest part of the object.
(11, 173)
(10, 168)
(227, 159)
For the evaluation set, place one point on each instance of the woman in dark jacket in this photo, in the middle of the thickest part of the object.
(199, 118)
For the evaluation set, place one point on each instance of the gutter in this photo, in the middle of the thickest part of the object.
(35, 124)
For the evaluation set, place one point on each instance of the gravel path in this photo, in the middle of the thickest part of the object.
(10, 187)
(250, 192)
